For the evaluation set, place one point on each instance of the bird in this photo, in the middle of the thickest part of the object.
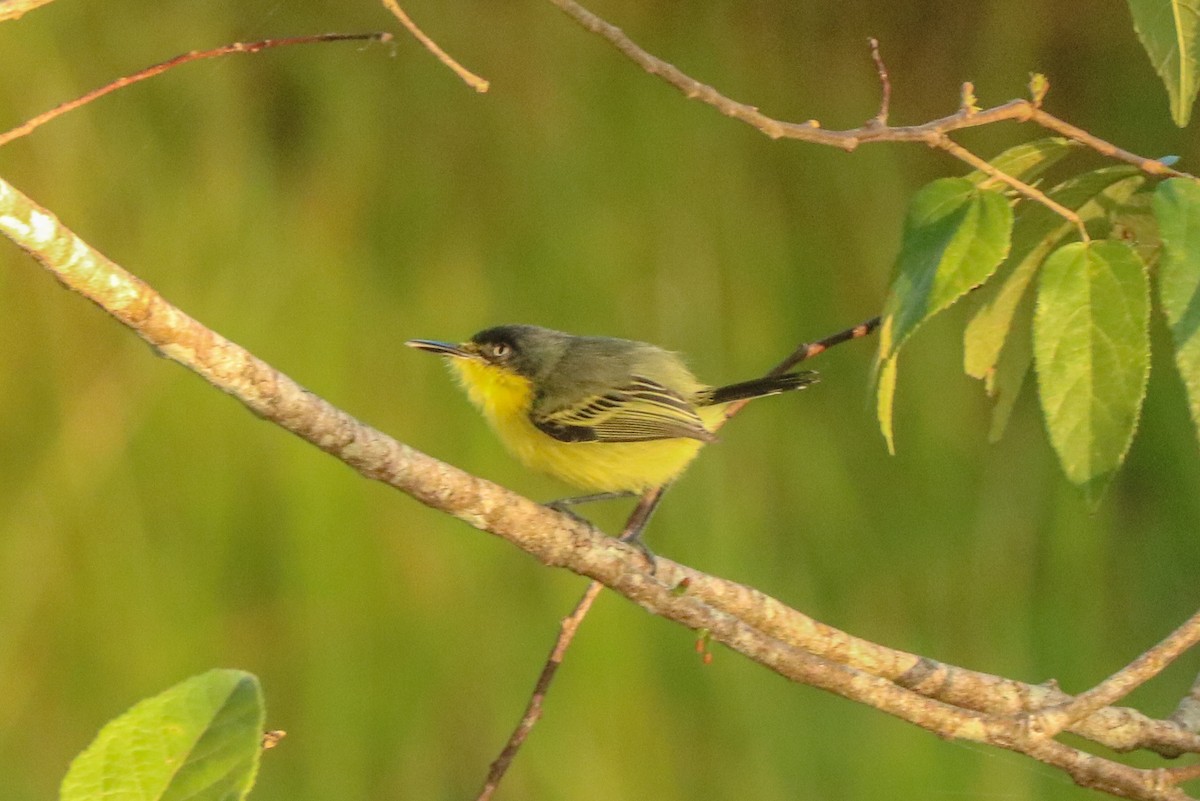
(609, 416)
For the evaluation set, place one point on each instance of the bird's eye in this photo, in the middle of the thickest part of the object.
(500, 350)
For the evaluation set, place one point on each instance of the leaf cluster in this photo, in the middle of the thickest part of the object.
(1071, 306)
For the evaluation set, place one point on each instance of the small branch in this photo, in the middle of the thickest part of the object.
(1029, 191)
(195, 55)
(808, 350)
(1016, 110)
(885, 83)
(469, 78)
(1187, 714)
(533, 710)
(1149, 166)
(1051, 721)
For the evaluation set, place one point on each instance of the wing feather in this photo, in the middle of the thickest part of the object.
(640, 411)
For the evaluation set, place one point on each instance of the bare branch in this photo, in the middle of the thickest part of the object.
(808, 350)
(1031, 192)
(195, 55)
(1020, 110)
(533, 710)
(885, 83)
(469, 78)
(1120, 684)
(1187, 714)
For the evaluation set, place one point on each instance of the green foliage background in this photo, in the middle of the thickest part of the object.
(320, 205)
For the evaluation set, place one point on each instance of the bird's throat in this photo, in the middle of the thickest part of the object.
(502, 395)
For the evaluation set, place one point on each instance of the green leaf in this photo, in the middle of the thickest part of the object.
(1037, 231)
(1027, 161)
(1169, 30)
(1134, 222)
(955, 235)
(1177, 207)
(199, 741)
(1092, 349)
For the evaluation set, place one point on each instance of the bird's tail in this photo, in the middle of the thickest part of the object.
(757, 388)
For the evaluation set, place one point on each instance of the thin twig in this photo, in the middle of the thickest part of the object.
(1059, 126)
(1187, 714)
(885, 83)
(469, 78)
(195, 55)
(1051, 721)
(944, 142)
(533, 710)
(808, 350)
(1020, 110)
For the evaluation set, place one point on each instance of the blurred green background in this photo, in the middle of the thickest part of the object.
(320, 205)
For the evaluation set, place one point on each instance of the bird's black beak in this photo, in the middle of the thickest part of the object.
(441, 348)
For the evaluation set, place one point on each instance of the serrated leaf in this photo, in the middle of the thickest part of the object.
(1037, 231)
(1092, 351)
(1027, 161)
(199, 741)
(1177, 207)
(1170, 33)
(955, 235)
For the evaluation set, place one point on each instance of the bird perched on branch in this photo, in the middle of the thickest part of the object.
(610, 416)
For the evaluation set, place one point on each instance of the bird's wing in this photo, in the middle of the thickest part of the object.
(640, 411)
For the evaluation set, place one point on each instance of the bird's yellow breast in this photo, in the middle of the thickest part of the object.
(505, 399)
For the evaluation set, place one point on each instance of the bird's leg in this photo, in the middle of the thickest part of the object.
(632, 533)
(637, 521)
(564, 504)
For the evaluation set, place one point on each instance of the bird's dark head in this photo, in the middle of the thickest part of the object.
(526, 350)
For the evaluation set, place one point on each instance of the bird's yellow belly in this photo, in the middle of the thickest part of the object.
(598, 466)
(505, 400)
